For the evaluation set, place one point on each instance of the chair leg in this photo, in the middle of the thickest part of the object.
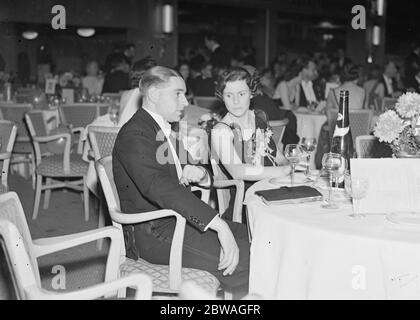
(47, 195)
(37, 196)
(86, 199)
(101, 220)
(228, 295)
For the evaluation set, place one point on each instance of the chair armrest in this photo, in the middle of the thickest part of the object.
(44, 246)
(175, 256)
(141, 282)
(5, 155)
(220, 184)
(52, 137)
(239, 196)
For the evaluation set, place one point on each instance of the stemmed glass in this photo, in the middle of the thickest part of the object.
(309, 146)
(293, 153)
(331, 163)
(356, 188)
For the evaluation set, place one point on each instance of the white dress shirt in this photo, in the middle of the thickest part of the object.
(308, 90)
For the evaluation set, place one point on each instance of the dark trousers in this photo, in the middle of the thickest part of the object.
(200, 251)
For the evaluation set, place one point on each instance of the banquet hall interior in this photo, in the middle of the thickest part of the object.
(69, 71)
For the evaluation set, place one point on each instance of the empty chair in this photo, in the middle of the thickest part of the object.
(62, 167)
(368, 146)
(8, 131)
(278, 127)
(22, 149)
(166, 278)
(19, 271)
(79, 115)
(102, 140)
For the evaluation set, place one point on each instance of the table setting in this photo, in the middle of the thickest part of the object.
(331, 247)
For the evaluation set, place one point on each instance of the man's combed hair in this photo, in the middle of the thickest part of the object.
(156, 77)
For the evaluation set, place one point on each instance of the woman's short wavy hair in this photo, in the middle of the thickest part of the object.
(236, 74)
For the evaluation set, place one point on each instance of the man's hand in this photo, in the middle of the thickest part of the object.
(229, 252)
(192, 174)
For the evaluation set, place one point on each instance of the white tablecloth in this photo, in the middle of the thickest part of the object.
(309, 126)
(303, 251)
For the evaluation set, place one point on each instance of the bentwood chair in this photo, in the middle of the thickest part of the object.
(368, 146)
(60, 170)
(278, 127)
(166, 278)
(8, 131)
(22, 150)
(20, 276)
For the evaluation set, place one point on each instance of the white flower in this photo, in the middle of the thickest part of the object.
(408, 105)
(389, 126)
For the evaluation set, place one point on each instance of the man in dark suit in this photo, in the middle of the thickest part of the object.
(203, 84)
(150, 174)
(118, 78)
(310, 90)
(412, 64)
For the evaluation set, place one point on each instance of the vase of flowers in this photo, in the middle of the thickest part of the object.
(398, 127)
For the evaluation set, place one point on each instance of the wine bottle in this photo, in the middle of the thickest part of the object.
(342, 141)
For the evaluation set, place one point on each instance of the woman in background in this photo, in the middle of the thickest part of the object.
(93, 81)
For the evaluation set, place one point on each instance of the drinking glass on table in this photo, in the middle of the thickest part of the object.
(356, 188)
(309, 146)
(331, 163)
(293, 153)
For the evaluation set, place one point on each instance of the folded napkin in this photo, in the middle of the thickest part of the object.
(289, 194)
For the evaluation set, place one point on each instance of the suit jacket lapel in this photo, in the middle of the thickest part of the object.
(147, 118)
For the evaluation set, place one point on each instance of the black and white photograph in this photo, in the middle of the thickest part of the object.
(227, 151)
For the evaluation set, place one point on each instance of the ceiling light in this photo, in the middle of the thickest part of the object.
(167, 18)
(30, 34)
(86, 32)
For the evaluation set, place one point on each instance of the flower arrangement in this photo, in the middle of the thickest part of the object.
(68, 80)
(260, 148)
(398, 127)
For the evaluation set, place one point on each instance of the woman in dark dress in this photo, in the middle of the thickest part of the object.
(237, 139)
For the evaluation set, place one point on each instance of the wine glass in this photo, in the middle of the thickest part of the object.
(331, 163)
(309, 146)
(356, 188)
(293, 153)
(113, 114)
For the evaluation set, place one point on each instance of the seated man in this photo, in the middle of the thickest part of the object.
(147, 180)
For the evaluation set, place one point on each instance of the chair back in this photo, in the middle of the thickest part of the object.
(360, 121)
(368, 146)
(278, 127)
(16, 270)
(16, 112)
(211, 103)
(8, 130)
(81, 114)
(388, 103)
(12, 211)
(102, 140)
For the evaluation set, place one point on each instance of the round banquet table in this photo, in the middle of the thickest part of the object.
(309, 125)
(302, 251)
